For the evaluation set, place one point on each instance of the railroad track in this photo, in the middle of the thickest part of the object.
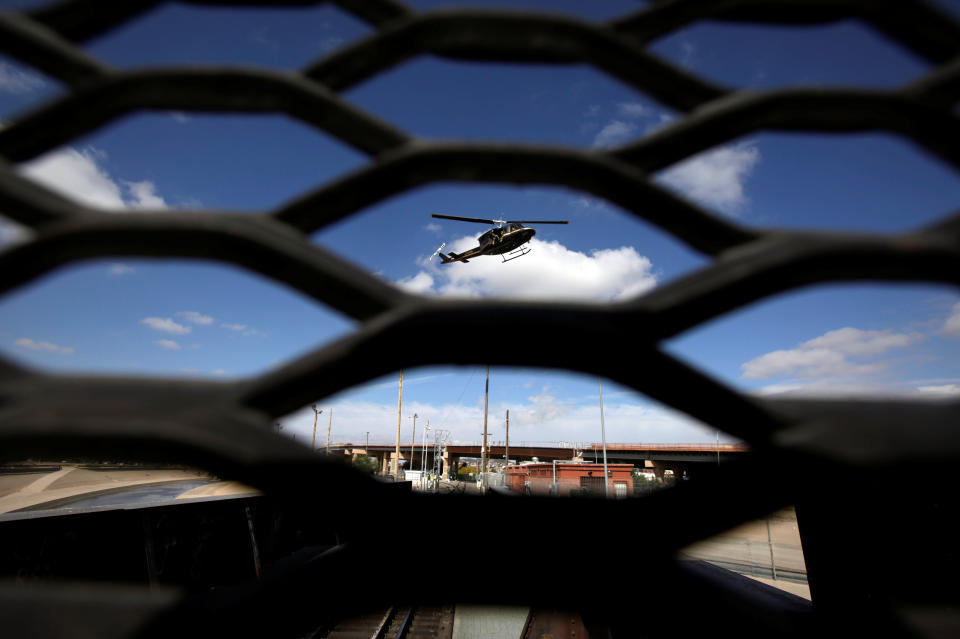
(398, 622)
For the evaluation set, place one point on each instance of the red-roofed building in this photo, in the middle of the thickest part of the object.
(569, 478)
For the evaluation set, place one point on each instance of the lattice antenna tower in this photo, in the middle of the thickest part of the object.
(440, 439)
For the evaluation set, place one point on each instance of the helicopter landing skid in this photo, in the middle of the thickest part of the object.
(520, 252)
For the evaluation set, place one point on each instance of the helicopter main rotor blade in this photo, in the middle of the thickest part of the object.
(537, 221)
(463, 219)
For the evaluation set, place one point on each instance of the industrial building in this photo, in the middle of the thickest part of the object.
(570, 478)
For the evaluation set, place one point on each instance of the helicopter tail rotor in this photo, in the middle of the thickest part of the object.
(437, 252)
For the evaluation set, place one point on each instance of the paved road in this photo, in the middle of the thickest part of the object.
(76, 487)
(129, 497)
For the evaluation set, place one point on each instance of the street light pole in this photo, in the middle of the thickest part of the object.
(329, 426)
(396, 461)
(506, 450)
(313, 442)
(603, 439)
(413, 439)
(423, 456)
(483, 449)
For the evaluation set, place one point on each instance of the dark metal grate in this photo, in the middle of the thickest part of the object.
(224, 427)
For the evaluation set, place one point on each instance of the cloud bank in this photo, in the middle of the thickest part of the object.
(17, 81)
(166, 325)
(835, 353)
(32, 345)
(716, 178)
(195, 318)
(80, 176)
(539, 420)
(951, 326)
(550, 272)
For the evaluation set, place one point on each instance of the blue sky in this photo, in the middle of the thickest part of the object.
(199, 319)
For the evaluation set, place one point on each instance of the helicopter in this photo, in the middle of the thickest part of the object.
(506, 241)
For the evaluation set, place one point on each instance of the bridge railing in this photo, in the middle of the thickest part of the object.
(723, 448)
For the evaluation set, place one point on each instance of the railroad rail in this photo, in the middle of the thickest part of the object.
(398, 622)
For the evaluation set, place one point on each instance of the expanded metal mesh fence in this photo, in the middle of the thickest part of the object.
(225, 427)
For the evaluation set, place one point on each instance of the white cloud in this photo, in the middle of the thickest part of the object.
(143, 195)
(853, 341)
(828, 355)
(945, 390)
(588, 202)
(780, 389)
(615, 132)
(544, 419)
(633, 109)
(119, 269)
(166, 325)
(197, 372)
(433, 227)
(79, 176)
(812, 362)
(243, 329)
(619, 129)
(420, 283)
(29, 344)
(542, 408)
(17, 81)
(168, 344)
(715, 178)
(195, 318)
(951, 326)
(550, 271)
(867, 388)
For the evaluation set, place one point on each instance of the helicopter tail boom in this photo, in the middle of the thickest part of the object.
(452, 257)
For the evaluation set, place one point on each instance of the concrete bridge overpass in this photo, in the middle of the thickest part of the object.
(677, 457)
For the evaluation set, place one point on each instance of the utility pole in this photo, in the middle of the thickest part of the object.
(329, 426)
(396, 461)
(603, 439)
(423, 456)
(483, 448)
(368, 443)
(313, 442)
(413, 439)
(506, 450)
